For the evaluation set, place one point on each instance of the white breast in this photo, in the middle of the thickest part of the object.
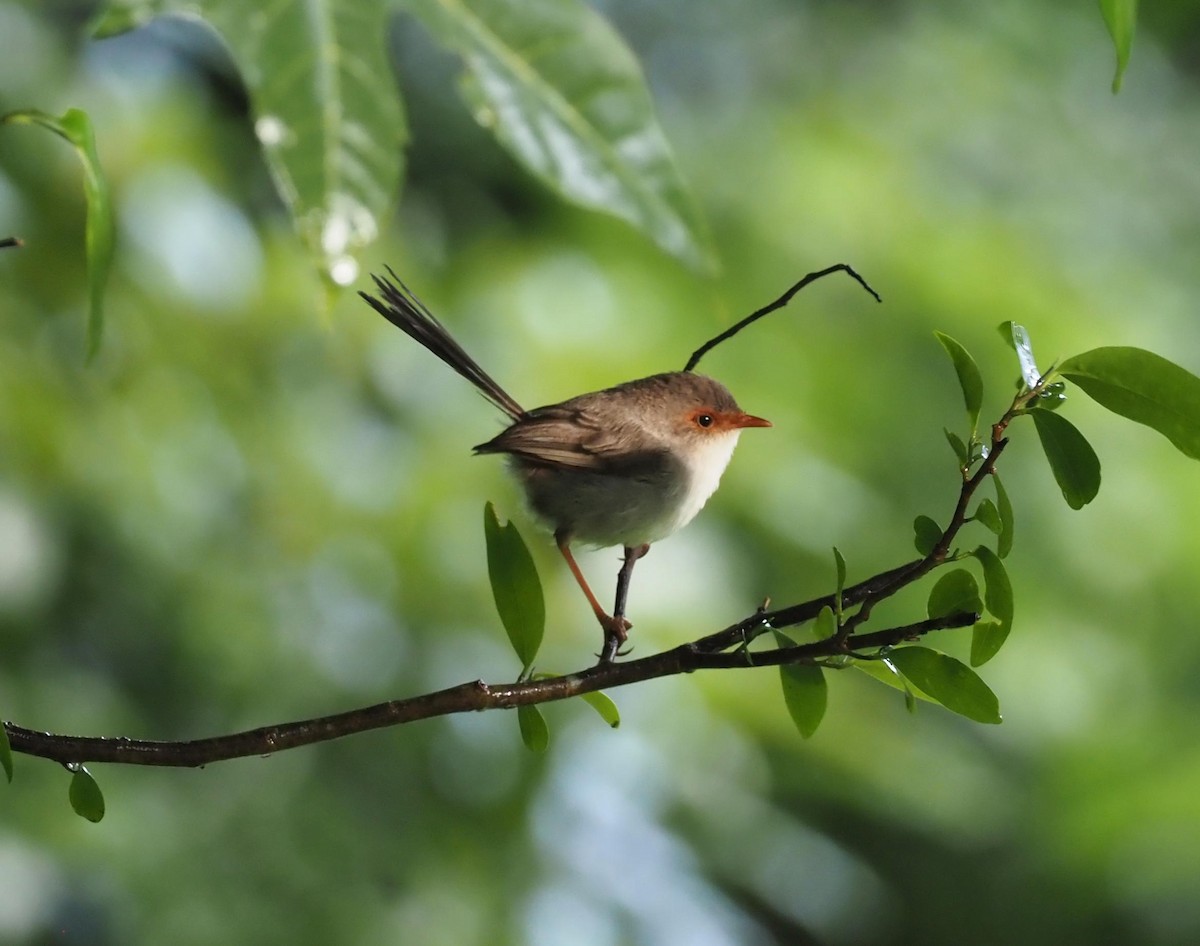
(705, 467)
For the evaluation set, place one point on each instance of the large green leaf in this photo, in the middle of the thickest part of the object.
(560, 89)
(953, 684)
(806, 695)
(969, 378)
(325, 106)
(1120, 16)
(1074, 463)
(1144, 387)
(516, 587)
(75, 127)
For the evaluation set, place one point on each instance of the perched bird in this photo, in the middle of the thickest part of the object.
(625, 466)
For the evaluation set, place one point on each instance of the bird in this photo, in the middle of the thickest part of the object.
(625, 466)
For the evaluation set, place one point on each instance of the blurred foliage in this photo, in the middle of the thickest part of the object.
(242, 512)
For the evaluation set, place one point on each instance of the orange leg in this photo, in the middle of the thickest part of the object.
(616, 628)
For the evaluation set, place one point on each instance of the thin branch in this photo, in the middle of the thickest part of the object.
(6, 242)
(777, 304)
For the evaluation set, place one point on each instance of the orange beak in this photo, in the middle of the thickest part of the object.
(737, 421)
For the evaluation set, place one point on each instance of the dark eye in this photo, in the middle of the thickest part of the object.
(704, 420)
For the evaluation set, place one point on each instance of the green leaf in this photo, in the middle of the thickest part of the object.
(516, 587)
(839, 564)
(75, 127)
(1120, 16)
(988, 638)
(6, 759)
(1024, 349)
(1143, 387)
(969, 378)
(1004, 540)
(825, 625)
(1074, 463)
(953, 684)
(806, 695)
(534, 731)
(926, 534)
(988, 516)
(561, 90)
(86, 798)
(1052, 397)
(603, 705)
(955, 592)
(885, 671)
(957, 445)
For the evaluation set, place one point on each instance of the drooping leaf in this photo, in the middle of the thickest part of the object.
(603, 705)
(6, 759)
(988, 638)
(1120, 16)
(534, 731)
(926, 534)
(1004, 539)
(951, 682)
(806, 695)
(516, 587)
(86, 798)
(1143, 387)
(969, 378)
(99, 229)
(1074, 463)
(561, 90)
(956, 592)
(988, 516)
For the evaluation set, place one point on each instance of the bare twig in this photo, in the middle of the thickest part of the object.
(777, 304)
(6, 242)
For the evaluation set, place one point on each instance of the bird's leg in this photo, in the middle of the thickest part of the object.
(616, 628)
(624, 575)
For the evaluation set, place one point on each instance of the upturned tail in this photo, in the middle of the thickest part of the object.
(408, 313)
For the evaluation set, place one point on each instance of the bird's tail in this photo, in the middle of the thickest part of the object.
(408, 313)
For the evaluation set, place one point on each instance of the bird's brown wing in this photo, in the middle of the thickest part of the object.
(567, 436)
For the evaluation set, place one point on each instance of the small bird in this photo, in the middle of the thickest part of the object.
(627, 466)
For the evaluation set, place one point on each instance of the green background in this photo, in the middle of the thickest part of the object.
(248, 509)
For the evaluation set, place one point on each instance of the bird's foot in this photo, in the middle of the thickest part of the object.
(616, 632)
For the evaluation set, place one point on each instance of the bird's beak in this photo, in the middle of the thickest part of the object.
(748, 420)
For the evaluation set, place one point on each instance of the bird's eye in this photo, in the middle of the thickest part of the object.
(704, 420)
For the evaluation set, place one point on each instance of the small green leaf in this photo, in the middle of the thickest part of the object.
(988, 516)
(988, 638)
(953, 684)
(515, 587)
(1120, 16)
(86, 798)
(1074, 463)
(99, 229)
(969, 378)
(1143, 387)
(534, 731)
(926, 534)
(839, 564)
(825, 625)
(1024, 349)
(957, 445)
(1004, 540)
(955, 592)
(603, 705)
(806, 695)
(6, 759)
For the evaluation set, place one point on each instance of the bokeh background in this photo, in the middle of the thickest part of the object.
(252, 509)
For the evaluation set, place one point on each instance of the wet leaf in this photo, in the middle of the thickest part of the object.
(953, 684)
(1074, 463)
(1143, 387)
(516, 587)
(885, 671)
